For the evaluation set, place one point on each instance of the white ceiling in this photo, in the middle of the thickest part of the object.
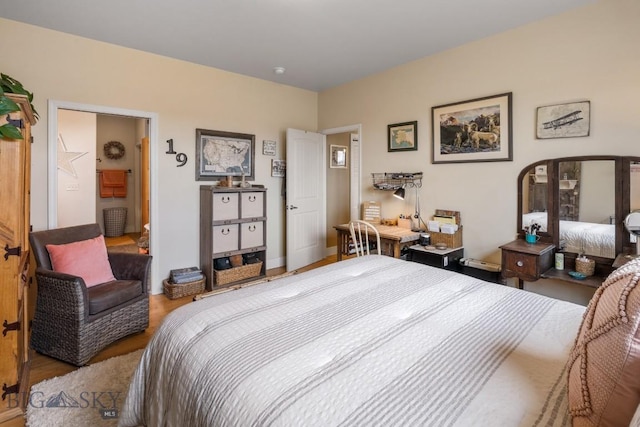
(321, 43)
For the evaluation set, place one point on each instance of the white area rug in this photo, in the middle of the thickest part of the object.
(90, 396)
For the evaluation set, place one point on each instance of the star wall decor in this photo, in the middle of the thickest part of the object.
(66, 157)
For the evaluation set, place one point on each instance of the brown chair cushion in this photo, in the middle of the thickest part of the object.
(604, 365)
(111, 294)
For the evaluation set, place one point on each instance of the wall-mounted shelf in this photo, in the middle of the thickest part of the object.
(392, 181)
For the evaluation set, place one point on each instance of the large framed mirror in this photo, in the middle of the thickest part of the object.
(581, 204)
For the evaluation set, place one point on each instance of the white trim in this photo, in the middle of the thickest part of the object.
(355, 163)
(52, 139)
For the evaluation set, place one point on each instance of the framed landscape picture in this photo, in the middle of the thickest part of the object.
(403, 136)
(477, 130)
(563, 120)
(221, 154)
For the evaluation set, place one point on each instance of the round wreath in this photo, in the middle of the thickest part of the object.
(114, 150)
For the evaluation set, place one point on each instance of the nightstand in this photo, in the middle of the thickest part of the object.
(526, 261)
(441, 258)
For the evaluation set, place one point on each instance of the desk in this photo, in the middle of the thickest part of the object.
(392, 239)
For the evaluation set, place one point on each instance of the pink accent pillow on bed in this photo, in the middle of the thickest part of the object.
(87, 259)
(604, 365)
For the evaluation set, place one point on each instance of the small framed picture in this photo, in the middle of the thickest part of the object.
(403, 136)
(563, 120)
(278, 168)
(268, 148)
(338, 156)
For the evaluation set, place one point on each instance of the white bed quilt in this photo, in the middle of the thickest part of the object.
(363, 342)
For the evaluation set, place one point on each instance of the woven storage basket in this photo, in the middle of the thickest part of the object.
(237, 273)
(451, 240)
(173, 290)
(115, 220)
(585, 266)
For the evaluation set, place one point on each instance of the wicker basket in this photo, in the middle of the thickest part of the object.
(179, 290)
(237, 273)
(451, 240)
(585, 266)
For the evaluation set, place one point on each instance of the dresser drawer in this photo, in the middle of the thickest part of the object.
(225, 206)
(225, 238)
(251, 234)
(252, 205)
(523, 265)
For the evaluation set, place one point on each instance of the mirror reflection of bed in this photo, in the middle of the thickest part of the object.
(581, 203)
(586, 206)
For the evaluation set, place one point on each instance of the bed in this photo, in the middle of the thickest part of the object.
(580, 237)
(368, 341)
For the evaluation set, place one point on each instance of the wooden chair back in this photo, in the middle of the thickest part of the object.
(362, 235)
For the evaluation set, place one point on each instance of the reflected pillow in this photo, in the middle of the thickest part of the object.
(603, 381)
(87, 259)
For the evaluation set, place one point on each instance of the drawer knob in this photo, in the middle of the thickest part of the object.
(226, 199)
(252, 228)
(252, 198)
(519, 263)
(225, 232)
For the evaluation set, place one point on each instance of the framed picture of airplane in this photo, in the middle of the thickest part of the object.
(569, 120)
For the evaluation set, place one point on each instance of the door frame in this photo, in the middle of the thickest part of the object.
(355, 164)
(52, 161)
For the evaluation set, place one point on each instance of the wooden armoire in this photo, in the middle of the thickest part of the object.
(16, 289)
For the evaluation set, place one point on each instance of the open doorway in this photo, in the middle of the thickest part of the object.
(74, 174)
(343, 183)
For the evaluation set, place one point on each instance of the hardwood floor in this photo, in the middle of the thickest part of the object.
(44, 367)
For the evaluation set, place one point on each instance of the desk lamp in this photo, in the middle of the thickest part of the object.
(400, 194)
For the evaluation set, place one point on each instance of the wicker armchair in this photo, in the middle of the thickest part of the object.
(72, 322)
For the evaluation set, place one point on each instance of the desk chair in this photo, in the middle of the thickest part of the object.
(362, 234)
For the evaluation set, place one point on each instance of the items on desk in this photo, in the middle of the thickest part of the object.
(371, 211)
(448, 228)
(404, 221)
(445, 229)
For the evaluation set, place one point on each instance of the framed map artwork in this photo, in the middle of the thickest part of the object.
(221, 154)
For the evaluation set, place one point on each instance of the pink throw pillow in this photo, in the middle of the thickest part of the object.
(87, 259)
(603, 380)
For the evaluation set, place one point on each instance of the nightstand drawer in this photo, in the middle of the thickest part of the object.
(526, 261)
(520, 264)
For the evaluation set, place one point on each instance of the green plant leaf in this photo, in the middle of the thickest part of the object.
(7, 105)
(13, 85)
(10, 85)
(10, 132)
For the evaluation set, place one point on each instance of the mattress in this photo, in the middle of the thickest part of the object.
(369, 341)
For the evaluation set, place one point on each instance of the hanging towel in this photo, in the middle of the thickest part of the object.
(113, 183)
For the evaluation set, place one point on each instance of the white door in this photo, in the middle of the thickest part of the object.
(305, 199)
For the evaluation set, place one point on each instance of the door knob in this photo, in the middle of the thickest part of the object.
(291, 207)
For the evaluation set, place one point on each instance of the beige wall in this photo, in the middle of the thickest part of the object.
(590, 53)
(185, 96)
